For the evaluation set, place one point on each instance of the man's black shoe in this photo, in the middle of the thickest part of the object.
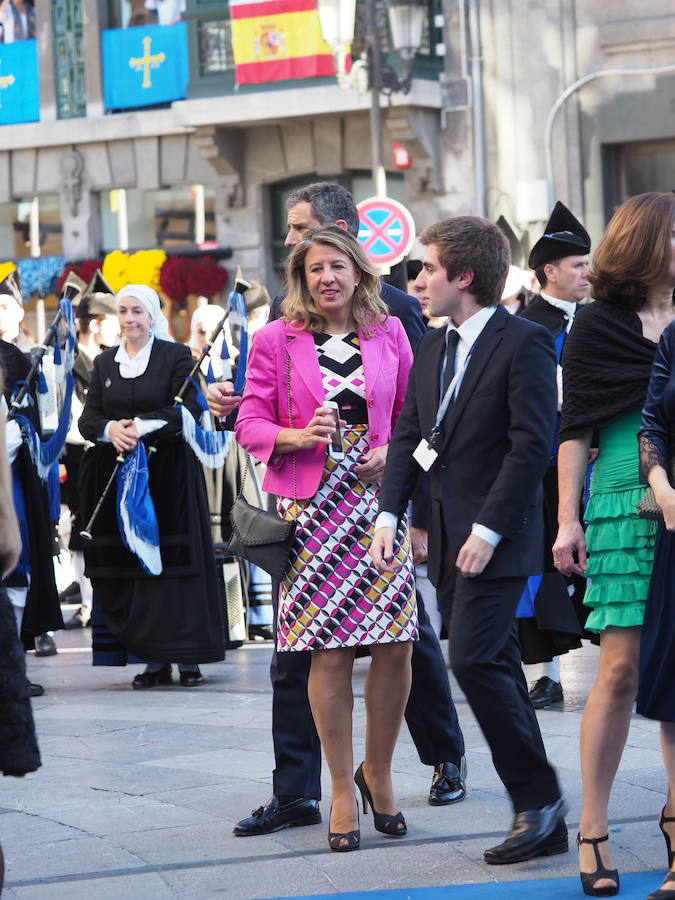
(448, 784)
(45, 646)
(535, 832)
(274, 816)
(545, 692)
(260, 633)
(191, 678)
(36, 690)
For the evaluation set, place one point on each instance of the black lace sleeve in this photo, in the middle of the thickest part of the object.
(650, 455)
(654, 435)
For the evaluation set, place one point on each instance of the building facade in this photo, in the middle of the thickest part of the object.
(213, 168)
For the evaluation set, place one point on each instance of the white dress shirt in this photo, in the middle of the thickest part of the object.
(468, 331)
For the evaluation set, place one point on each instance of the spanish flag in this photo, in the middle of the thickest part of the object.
(274, 40)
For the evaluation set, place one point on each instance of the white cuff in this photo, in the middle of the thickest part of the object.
(147, 426)
(105, 437)
(486, 534)
(13, 438)
(386, 520)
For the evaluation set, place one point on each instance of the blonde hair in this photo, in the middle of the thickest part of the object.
(368, 307)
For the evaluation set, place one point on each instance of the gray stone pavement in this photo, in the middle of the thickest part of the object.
(139, 792)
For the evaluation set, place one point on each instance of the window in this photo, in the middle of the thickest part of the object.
(169, 218)
(636, 168)
(20, 221)
(71, 88)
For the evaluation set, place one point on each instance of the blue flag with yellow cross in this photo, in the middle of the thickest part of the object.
(144, 65)
(19, 83)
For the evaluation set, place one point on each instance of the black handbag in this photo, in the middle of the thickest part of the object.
(259, 536)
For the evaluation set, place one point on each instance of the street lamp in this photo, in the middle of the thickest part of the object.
(371, 72)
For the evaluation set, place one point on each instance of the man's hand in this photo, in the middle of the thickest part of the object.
(419, 538)
(371, 469)
(571, 539)
(123, 435)
(474, 556)
(382, 550)
(221, 399)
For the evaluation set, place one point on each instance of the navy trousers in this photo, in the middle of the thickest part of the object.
(430, 714)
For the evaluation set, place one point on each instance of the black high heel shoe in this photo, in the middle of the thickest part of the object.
(590, 879)
(662, 821)
(386, 824)
(661, 893)
(351, 839)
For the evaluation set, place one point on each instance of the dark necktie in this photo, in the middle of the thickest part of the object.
(450, 354)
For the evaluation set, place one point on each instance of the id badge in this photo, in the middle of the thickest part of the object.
(426, 456)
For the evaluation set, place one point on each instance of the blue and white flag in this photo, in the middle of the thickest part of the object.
(210, 447)
(136, 511)
(238, 316)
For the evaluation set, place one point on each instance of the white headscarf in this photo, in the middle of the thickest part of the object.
(159, 326)
(209, 315)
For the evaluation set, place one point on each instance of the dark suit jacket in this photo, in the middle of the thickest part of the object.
(401, 305)
(494, 449)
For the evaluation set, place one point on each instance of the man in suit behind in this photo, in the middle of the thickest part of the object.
(486, 455)
(430, 714)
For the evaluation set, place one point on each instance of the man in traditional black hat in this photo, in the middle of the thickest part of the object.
(98, 327)
(550, 614)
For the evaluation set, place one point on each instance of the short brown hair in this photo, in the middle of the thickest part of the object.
(471, 243)
(634, 253)
(368, 310)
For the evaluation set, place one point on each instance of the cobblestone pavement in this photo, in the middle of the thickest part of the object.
(139, 792)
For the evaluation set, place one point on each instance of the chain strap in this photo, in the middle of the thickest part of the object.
(290, 423)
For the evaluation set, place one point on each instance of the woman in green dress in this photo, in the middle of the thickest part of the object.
(606, 366)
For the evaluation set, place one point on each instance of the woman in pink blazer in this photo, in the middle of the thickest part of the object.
(336, 343)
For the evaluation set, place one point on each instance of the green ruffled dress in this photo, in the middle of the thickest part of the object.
(620, 543)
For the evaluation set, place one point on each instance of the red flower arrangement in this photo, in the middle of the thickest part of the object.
(84, 270)
(183, 275)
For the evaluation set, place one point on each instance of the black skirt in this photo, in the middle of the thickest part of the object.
(175, 616)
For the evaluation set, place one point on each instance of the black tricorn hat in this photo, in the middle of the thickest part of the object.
(98, 299)
(10, 286)
(564, 235)
(517, 255)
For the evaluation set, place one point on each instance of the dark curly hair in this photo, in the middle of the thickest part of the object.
(634, 253)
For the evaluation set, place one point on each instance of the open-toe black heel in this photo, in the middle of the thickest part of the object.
(662, 821)
(386, 824)
(590, 879)
(661, 893)
(343, 841)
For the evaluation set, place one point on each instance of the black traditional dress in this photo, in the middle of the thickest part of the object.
(35, 571)
(175, 616)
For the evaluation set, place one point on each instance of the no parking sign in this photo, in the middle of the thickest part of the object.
(386, 230)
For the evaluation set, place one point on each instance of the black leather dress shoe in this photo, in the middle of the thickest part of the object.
(448, 784)
(545, 692)
(260, 633)
(535, 832)
(274, 816)
(45, 646)
(36, 690)
(145, 680)
(191, 678)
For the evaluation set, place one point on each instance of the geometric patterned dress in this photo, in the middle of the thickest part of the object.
(332, 595)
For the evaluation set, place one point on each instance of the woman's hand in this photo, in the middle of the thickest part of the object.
(123, 435)
(666, 500)
(319, 429)
(10, 540)
(570, 540)
(371, 468)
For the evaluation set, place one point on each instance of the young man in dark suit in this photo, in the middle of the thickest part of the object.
(430, 715)
(479, 416)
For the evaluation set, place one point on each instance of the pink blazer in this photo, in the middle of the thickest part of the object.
(263, 412)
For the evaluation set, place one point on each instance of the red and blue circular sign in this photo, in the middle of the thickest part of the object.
(386, 230)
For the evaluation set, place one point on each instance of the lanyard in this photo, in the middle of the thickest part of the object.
(448, 396)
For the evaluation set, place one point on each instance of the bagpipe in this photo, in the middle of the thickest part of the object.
(135, 510)
(44, 453)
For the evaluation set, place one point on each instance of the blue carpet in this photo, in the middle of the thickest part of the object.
(634, 886)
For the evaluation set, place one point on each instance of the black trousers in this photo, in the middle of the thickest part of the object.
(430, 714)
(485, 658)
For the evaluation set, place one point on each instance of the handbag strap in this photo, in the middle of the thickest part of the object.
(290, 422)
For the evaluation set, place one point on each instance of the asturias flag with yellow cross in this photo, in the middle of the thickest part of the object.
(144, 65)
(273, 40)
